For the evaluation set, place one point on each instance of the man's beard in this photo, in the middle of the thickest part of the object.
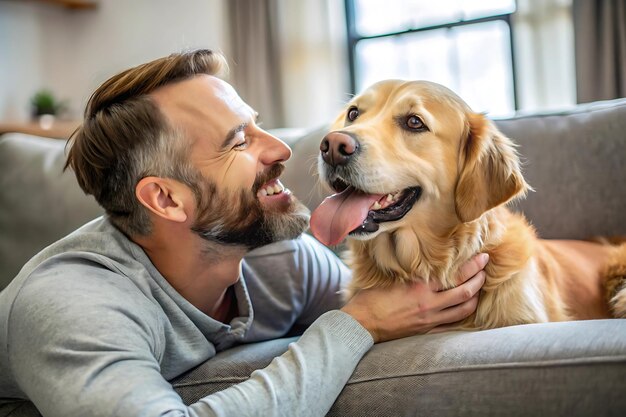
(239, 218)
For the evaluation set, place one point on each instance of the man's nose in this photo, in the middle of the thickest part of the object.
(275, 151)
(337, 148)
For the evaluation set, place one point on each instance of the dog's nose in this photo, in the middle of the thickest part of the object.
(337, 148)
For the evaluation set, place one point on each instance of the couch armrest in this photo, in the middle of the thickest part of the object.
(568, 368)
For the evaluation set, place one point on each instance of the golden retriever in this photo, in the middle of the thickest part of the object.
(421, 185)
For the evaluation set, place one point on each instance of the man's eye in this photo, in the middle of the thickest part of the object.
(241, 145)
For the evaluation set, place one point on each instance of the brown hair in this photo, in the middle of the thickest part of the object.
(125, 137)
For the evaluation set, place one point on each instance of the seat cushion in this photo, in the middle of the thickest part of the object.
(569, 368)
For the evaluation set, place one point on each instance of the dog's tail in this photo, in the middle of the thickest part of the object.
(615, 282)
(616, 240)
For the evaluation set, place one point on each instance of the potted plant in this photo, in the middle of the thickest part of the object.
(45, 108)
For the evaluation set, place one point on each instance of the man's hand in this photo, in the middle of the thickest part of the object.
(407, 309)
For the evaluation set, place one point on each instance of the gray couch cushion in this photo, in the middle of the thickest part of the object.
(576, 161)
(39, 203)
(571, 368)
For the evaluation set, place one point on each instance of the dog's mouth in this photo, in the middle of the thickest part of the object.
(352, 211)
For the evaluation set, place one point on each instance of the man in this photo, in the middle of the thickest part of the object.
(97, 323)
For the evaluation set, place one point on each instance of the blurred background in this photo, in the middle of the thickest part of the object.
(298, 61)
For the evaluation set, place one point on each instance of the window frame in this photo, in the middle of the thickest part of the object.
(353, 37)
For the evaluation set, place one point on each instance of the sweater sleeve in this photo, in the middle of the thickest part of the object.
(75, 352)
(324, 277)
(305, 380)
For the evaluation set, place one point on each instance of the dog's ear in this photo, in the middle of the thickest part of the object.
(489, 170)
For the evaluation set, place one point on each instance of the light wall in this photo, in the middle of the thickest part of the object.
(72, 52)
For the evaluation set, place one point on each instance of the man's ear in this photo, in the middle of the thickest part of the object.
(489, 170)
(163, 197)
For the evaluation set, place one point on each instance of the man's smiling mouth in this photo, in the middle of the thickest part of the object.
(275, 195)
(270, 188)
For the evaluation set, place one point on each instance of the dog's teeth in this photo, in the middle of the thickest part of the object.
(376, 206)
(389, 198)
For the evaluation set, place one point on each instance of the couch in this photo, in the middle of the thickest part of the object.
(574, 159)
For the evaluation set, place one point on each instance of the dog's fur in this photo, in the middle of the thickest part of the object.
(468, 171)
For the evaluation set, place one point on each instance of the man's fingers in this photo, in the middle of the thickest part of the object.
(454, 314)
(472, 267)
(462, 293)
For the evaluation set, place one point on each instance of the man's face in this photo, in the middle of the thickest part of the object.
(241, 201)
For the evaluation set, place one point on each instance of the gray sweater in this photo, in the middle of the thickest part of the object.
(90, 328)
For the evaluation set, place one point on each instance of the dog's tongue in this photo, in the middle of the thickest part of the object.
(340, 214)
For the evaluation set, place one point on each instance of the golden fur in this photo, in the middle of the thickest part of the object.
(468, 171)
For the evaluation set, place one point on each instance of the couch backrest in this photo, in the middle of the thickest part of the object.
(39, 203)
(575, 160)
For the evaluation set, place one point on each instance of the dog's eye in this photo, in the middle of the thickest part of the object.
(414, 123)
(353, 113)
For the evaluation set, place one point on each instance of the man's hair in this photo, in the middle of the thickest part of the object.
(125, 137)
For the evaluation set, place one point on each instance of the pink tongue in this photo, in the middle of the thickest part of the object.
(340, 214)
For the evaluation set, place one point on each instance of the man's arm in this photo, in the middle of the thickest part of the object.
(77, 355)
(304, 381)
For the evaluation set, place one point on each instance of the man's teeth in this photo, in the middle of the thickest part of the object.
(272, 189)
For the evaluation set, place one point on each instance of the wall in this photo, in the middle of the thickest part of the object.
(72, 52)
(20, 58)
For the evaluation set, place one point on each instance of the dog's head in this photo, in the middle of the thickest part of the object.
(403, 151)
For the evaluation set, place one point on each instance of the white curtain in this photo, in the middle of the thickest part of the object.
(290, 59)
(544, 54)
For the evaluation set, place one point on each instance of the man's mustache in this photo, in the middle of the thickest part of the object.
(273, 172)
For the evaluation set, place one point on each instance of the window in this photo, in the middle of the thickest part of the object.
(462, 44)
